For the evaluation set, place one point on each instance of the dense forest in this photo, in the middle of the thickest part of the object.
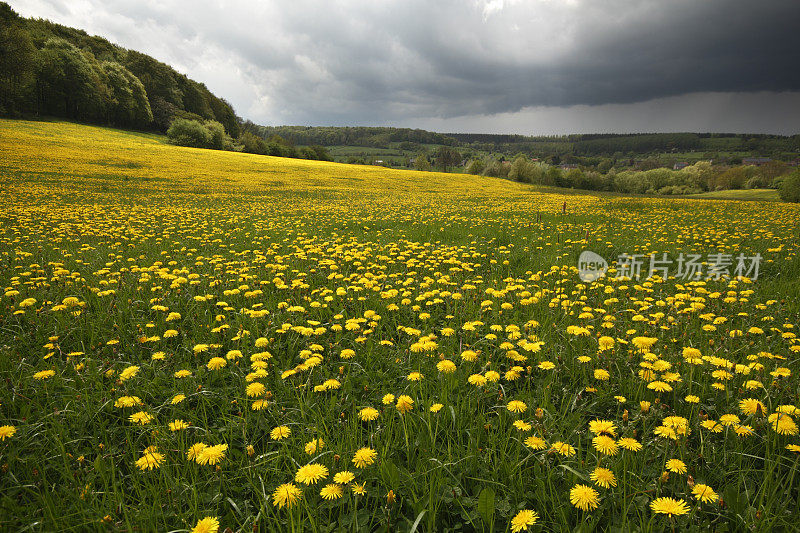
(588, 145)
(377, 137)
(52, 70)
(556, 146)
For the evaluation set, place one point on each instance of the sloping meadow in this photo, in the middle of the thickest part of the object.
(196, 339)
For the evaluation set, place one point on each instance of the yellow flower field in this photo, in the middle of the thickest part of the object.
(198, 340)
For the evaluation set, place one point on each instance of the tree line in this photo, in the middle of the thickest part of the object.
(376, 137)
(53, 70)
(700, 177)
(47, 69)
(576, 148)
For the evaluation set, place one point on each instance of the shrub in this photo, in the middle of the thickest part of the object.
(253, 144)
(218, 139)
(208, 134)
(184, 132)
(475, 166)
(790, 188)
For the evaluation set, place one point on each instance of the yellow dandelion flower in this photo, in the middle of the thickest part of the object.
(194, 450)
(280, 432)
(783, 424)
(629, 444)
(368, 414)
(704, 493)
(150, 460)
(364, 457)
(522, 425)
(676, 465)
(477, 380)
(311, 473)
(216, 363)
(599, 427)
(517, 406)
(344, 477)
(211, 455)
(729, 420)
(469, 356)
(404, 404)
(659, 386)
(601, 374)
(563, 448)
(128, 373)
(603, 477)
(209, 524)
(7, 431)
(314, 445)
(446, 366)
(255, 389)
(605, 444)
(286, 495)
(331, 491)
(141, 418)
(584, 497)
(712, 425)
(666, 431)
(535, 443)
(178, 425)
(258, 405)
(178, 398)
(751, 406)
(605, 343)
(669, 506)
(523, 520)
(128, 401)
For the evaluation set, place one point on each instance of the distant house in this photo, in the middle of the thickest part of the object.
(568, 166)
(755, 161)
(680, 165)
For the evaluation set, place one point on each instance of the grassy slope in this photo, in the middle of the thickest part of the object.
(763, 195)
(129, 213)
(36, 149)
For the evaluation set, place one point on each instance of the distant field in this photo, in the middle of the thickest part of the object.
(190, 337)
(764, 195)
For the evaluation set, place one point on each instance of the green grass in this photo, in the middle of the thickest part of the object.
(406, 270)
(762, 195)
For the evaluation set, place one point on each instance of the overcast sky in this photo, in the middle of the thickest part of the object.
(488, 66)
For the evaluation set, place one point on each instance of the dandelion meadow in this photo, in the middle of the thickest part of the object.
(196, 340)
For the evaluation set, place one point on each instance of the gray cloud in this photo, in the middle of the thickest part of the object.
(391, 61)
(758, 112)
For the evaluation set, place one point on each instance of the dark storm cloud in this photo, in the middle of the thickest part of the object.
(383, 61)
